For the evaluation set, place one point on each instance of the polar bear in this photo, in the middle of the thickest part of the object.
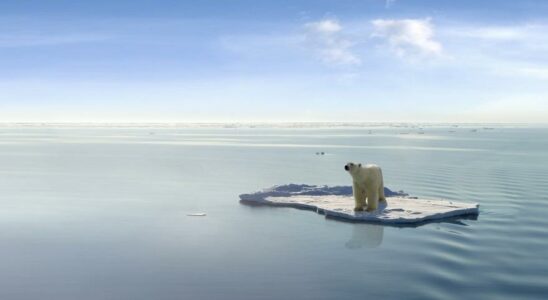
(367, 183)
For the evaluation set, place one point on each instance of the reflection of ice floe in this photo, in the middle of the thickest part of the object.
(365, 236)
(337, 202)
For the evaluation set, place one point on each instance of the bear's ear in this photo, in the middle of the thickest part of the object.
(360, 165)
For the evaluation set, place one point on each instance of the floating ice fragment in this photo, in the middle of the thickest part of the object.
(197, 215)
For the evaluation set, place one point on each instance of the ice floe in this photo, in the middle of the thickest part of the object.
(337, 202)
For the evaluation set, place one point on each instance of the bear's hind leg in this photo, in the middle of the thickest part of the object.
(372, 200)
(381, 189)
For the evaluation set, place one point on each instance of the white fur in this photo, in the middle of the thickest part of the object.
(367, 185)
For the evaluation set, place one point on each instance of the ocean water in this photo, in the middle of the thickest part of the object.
(102, 213)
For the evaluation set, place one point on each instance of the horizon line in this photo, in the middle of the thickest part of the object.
(252, 124)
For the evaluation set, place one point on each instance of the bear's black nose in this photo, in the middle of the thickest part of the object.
(346, 167)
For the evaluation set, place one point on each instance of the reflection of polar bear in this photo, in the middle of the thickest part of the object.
(365, 235)
(367, 183)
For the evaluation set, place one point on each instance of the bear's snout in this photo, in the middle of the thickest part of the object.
(346, 167)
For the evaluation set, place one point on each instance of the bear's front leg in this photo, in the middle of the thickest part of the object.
(359, 197)
(372, 201)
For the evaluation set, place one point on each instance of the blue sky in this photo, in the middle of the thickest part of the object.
(224, 61)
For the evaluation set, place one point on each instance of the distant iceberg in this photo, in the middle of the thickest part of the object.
(337, 202)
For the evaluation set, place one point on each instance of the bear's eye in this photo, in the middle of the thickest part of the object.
(351, 164)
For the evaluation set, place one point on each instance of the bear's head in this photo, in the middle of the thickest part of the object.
(352, 168)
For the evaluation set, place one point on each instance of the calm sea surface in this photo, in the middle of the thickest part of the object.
(101, 213)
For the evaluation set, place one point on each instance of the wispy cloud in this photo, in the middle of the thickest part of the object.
(328, 40)
(515, 50)
(328, 26)
(389, 3)
(408, 37)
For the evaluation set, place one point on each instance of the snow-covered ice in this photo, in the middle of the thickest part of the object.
(338, 202)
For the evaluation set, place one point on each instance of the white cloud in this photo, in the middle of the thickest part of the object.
(329, 42)
(326, 26)
(408, 37)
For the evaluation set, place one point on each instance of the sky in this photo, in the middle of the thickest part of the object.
(274, 61)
